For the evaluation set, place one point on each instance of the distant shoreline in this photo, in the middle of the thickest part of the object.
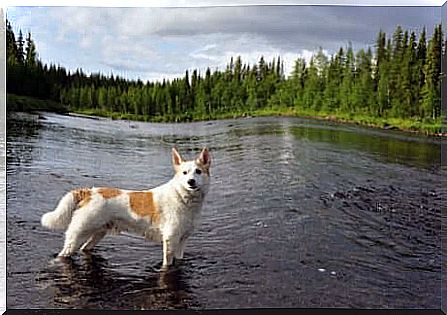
(17, 103)
(363, 121)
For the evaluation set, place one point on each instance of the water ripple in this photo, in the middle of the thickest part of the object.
(300, 214)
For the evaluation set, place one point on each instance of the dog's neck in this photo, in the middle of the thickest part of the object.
(188, 197)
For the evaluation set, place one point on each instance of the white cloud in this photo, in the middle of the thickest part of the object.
(147, 42)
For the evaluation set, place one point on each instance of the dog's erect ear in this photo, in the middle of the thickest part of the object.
(204, 158)
(176, 158)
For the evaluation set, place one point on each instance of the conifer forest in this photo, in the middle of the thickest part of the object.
(400, 77)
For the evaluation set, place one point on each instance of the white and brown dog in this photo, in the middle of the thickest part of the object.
(168, 213)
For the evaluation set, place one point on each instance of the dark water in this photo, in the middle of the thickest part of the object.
(300, 214)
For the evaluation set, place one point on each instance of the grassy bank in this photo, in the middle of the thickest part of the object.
(409, 125)
(429, 127)
(18, 103)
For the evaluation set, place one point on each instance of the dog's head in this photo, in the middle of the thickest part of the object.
(193, 176)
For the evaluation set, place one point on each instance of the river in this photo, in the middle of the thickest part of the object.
(300, 213)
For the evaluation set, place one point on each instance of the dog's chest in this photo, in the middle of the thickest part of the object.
(181, 219)
(182, 215)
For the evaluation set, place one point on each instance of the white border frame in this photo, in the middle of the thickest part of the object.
(135, 3)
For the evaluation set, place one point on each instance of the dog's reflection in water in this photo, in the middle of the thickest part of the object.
(90, 282)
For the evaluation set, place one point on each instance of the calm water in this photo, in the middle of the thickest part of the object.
(300, 214)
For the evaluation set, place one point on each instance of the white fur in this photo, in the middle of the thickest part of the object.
(60, 218)
(179, 207)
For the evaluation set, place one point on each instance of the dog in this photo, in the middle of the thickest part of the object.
(166, 214)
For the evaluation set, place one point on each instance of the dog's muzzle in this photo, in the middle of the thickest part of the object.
(192, 184)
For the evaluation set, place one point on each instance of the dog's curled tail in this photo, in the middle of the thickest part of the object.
(60, 217)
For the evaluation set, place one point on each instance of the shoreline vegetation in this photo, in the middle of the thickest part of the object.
(29, 104)
(396, 85)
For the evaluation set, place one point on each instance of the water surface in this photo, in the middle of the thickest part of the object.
(300, 214)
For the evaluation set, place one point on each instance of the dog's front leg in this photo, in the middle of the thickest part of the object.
(180, 249)
(168, 252)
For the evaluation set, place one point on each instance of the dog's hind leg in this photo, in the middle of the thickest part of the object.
(93, 240)
(73, 240)
(78, 232)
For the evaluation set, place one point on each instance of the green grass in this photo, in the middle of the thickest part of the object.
(18, 103)
(429, 127)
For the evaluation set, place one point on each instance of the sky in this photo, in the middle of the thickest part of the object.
(153, 43)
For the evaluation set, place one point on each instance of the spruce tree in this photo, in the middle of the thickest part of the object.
(11, 45)
(31, 55)
(20, 48)
(432, 70)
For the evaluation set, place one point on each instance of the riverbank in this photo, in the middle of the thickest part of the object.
(19, 103)
(430, 128)
(413, 125)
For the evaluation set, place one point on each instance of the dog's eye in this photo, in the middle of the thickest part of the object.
(198, 171)
(185, 172)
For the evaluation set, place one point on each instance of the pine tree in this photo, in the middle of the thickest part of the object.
(347, 82)
(262, 67)
(432, 70)
(413, 74)
(11, 45)
(20, 48)
(312, 97)
(362, 98)
(238, 69)
(31, 55)
(395, 80)
(380, 50)
(421, 56)
(250, 87)
(298, 79)
(331, 100)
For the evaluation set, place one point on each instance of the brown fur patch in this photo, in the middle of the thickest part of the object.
(82, 196)
(142, 203)
(108, 193)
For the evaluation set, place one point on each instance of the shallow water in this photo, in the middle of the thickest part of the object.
(300, 214)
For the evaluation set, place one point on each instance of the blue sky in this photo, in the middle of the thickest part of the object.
(155, 43)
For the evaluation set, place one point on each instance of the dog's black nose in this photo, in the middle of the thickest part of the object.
(191, 182)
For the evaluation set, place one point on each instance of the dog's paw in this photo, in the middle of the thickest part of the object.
(64, 255)
(58, 260)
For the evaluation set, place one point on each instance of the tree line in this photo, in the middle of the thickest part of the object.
(401, 78)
